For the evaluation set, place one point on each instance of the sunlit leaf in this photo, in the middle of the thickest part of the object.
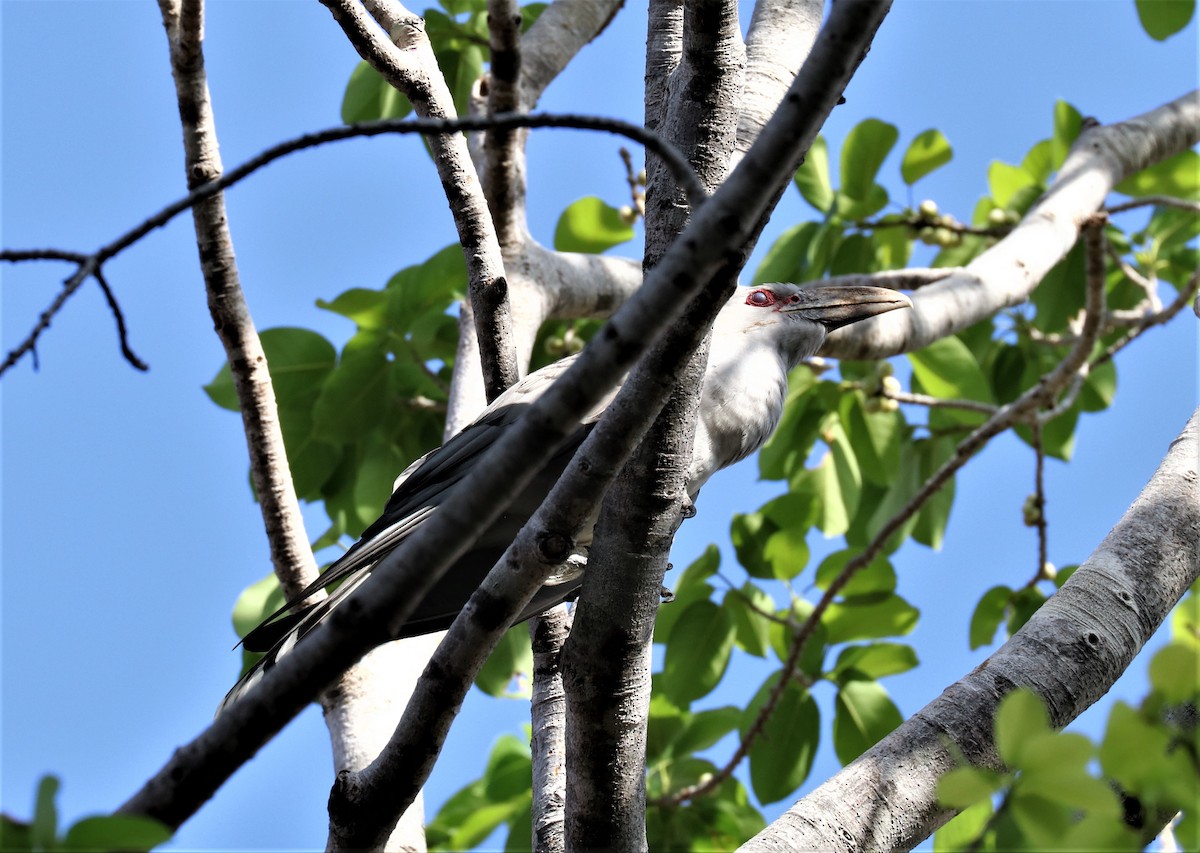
(697, 652)
(781, 757)
(988, 615)
(590, 226)
(927, 152)
(863, 714)
(865, 148)
(1161, 19)
(812, 178)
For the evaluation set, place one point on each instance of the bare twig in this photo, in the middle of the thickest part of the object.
(122, 332)
(1184, 297)
(679, 167)
(937, 402)
(1039, 496)
(1156, 201)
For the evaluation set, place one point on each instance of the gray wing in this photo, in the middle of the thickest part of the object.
(422, 487)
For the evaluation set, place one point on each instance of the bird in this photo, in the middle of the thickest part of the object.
(760, 334)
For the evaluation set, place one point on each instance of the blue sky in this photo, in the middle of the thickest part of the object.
(128, 528)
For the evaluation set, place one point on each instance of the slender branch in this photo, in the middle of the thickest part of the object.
(680, 170)
(1155, 201)
(399, 580)
(1039, 497)
(547, 634)
(70, 286)
(937, 402)
(1184, 297)
(1094, 625)
(504, 177)
(404, 57)
(560, 32)
(1006, 273)
(291, 556)
(122, 332)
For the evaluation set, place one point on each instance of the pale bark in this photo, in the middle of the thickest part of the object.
(1008, 272)
(1069, 654)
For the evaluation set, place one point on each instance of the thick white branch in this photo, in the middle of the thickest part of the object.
(1007, 273)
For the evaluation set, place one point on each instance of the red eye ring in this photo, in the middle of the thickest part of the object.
(760, 298)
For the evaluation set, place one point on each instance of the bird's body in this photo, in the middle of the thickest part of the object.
(760, 334)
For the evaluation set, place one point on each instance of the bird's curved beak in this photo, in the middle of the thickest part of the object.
(834, 306)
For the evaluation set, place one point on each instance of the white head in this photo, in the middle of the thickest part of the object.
(796, 319)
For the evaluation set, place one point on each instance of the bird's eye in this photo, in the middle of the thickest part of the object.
(760, 298)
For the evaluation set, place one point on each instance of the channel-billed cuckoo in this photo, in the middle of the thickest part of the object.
(760, 334)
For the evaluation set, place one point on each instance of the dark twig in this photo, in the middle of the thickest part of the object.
(122, 332)
(1039, 496)
(91, 263)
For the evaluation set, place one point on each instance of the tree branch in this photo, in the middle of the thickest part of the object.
(1093, 627)
(560, 32)
(547, 634)
(1005, 274)
(291, 555)
(406, 61)
(363, 620)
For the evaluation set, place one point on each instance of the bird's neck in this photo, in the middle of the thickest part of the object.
(742, 402)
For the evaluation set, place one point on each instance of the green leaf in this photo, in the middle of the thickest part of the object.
(116, 832)
(366, 307)
(1019, 719)
(946, 368)
(749, 534)
(255, 603)
(875, 437)
(746, 608)
(964, 786)
(988, 615)
(44, 829)
(590, 226)
(812, 178)
(1176, 176)
(520, 828)
(369, 97)
(352, 399)
(511, 659)
(893, 248)
(930, 527)
(866, 147)
(789, 518)
(697, 652)
(876, 577)
(1068, 123)
(1039, 161)
(787, 255)
(855, 254)
(1061, 293)
(1173, 673)
(1161, 19)
(1099, 387)
(874, 660)
(962, 830)
(868, 619)
(702, 568)
(781, 756)
(298, 360)
(704, 729)
(1005, 180)
(507, 776)
(927, 152)
(863, 714)
(854, 209)
(1023, 605)
(15, 835)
